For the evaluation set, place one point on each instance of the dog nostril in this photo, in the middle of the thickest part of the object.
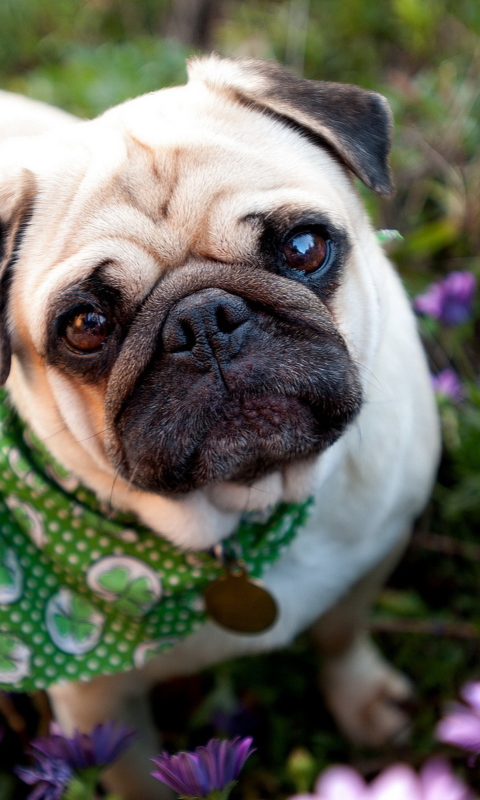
(228, 318)
(204, 321)
(179, 337)
(186, 338)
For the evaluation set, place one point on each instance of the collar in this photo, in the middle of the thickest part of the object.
(83, 594)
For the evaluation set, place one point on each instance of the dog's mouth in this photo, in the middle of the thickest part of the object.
(227, 389)
(240, 440)
(256, 435)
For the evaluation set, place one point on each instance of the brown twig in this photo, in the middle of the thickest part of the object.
(447, 545)
(432, 627)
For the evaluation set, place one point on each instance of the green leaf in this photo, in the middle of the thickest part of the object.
(81, 609)
(63, 624)
(7, 646)
(6, 578)
(115, 580)
(401, 603)
(7, 664)
(77, 629)
(138, 591)
(126, 606)
(82, 630)
(82, 785)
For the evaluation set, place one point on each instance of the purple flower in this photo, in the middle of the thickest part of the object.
(462, 725)
(50, 777)
(447, 384)
(398, 782)
(450, 300)
(96, 749)
(209, 768)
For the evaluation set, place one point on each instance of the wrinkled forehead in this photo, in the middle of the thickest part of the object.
(173, 175)
(203, 153)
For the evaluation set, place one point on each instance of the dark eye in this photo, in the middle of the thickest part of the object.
(86, 331)
(306, 251)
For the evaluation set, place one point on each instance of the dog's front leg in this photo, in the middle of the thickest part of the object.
(364, 693)
(122, 697)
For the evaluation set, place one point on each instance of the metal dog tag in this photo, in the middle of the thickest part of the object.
(240, 604)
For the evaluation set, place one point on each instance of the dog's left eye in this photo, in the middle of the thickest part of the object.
(306, 251)
(86, 331)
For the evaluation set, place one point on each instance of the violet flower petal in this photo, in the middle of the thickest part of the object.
(471, 694)
(460, 727)
(189, 776)
(448, 384)
(208, 756)
(307, 796)
(340, 783)
(431, 302)
(210, 767)
(198, 772)
(449, 300)
(50, 777)
(398, 782)
(221, 757)
(109, 740)
(438, 781)
(101, 747)
(169, 775)
(243, 750)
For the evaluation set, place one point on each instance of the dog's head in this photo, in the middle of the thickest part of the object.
(186, 290)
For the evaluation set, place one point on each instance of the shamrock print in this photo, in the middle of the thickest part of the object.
(73, 623)
(11, 576)
(133, 595)
(148, 650)
(14, 659)
(22, 468)
(130, 584)
(29, 519)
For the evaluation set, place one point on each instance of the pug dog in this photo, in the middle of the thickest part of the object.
(199, 326)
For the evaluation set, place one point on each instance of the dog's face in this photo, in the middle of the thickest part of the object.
(185, 289)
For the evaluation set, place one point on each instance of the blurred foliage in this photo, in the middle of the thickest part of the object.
(424, 55)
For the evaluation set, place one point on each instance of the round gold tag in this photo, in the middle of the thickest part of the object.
(239, 604)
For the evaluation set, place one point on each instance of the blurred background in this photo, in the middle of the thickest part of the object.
(424, 55)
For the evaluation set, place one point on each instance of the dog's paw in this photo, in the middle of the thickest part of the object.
(367, 696)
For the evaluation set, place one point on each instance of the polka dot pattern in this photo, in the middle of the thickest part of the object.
(83, 595)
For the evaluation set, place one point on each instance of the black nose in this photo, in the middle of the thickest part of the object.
(209, 322)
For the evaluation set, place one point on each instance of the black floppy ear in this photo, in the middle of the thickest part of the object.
(354, 122)
(16, 202)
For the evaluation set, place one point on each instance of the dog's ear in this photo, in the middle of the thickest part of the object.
(355, 123)
(17, 194)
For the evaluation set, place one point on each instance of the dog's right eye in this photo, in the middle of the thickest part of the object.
(85, 331)
(306, 251)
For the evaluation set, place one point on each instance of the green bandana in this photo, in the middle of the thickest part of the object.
(82, 595)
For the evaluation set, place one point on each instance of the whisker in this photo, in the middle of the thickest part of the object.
(367, 371)
(51, 435)
(98, 433)
(110, 499)
(261, 491)
(134, 472)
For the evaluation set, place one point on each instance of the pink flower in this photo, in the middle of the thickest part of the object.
(398, 782)
(448, 384)
(450, 300)
(462, 725)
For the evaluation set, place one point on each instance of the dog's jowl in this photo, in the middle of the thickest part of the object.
(217, 424)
